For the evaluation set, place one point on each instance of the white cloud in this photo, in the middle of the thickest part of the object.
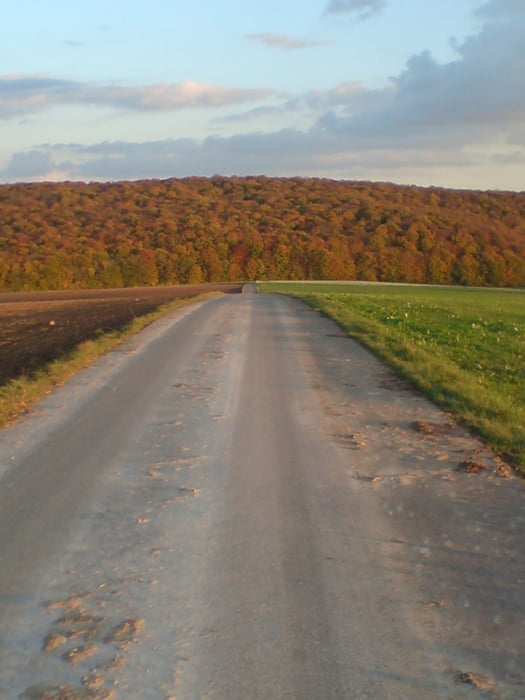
(282, 41)
(362, 8)
(253, 114)
(498, 9)
(350, 97)
(23, 94)
(165, 97)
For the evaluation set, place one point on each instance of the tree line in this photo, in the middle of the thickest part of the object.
(193, 230)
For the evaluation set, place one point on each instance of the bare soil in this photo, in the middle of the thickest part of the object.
(37, 327)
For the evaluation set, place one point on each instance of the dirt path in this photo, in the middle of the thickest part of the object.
(243, 503)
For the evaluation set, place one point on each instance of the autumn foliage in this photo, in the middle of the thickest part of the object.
(193, 230)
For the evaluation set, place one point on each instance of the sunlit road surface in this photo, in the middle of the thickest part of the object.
(242, 502)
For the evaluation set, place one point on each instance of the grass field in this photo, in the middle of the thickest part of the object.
(463, 347)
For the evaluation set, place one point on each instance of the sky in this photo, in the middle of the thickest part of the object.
(424, 92)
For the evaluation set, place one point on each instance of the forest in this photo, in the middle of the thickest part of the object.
(193, 230)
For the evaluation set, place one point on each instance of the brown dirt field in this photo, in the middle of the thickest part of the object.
(37, 327)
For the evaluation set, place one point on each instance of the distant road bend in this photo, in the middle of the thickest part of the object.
(238, 503)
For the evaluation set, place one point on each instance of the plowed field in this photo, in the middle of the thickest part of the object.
(37, 327)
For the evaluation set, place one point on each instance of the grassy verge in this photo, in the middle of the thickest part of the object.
(464, 348)
(18, 395)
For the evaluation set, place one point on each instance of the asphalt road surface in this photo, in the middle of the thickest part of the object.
(241, 502)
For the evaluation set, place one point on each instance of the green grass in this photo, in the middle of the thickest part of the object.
(19, 394)
(463, 347)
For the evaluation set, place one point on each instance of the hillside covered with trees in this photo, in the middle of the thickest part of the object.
(193, 230)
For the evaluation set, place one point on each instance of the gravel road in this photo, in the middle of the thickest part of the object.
(241, 502)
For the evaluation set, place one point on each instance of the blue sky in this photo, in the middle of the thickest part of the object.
(427, 92)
